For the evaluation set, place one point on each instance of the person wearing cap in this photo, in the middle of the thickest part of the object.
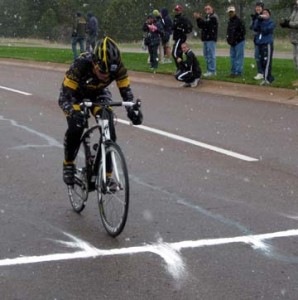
(209, 29)
(78, 34)
(181, 27)
(236, 40)
(264, 40)
(254, 17)
(292, 24)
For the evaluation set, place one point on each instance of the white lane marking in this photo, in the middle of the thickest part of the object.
(15, 91)
(194, 142)
(51, 141)
(170, 252)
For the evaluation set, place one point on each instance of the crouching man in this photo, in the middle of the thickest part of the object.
(189, 69)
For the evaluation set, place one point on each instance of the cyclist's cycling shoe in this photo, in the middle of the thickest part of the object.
(112, 185)
(69, 173)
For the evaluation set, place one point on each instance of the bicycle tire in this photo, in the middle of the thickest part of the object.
(78, 193)
(113, 204)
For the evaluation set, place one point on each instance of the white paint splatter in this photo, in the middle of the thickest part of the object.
(50, 141)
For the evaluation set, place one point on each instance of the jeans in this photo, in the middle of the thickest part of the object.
(210, 56)
(77, 40)
(237, 58)
(258, 61)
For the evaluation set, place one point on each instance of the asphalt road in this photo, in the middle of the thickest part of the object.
(213, 215)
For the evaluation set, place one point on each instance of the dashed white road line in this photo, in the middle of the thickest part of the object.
(172, 136)
(194, 142)
(14, 90)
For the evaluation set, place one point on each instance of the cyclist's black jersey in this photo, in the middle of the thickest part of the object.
(85, 80)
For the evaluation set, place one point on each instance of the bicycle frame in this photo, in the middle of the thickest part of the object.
(102, 124)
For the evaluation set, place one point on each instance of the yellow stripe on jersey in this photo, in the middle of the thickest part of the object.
(123, 83)
(76, 107)
(70, 83)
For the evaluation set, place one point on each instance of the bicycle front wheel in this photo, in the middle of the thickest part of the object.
(78, 193)
(113, 191)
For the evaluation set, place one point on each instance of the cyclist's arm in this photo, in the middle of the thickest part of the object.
(123, 84)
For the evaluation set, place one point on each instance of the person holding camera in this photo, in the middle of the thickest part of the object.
(292, 24)
(254, 17)
(209, 29)
(264, 26)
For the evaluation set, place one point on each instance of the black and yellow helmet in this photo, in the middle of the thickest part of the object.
(108, 55)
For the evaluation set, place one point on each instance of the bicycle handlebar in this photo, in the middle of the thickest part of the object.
(137, 104)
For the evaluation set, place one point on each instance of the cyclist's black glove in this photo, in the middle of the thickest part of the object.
(135, 114)
(78, 117)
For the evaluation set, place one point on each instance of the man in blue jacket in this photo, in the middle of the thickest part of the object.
(264, 41)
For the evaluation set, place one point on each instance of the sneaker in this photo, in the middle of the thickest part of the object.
(69, 170)
(209, 74)
(186, 84)
(259, 76)
(195, 82)
(168, 61)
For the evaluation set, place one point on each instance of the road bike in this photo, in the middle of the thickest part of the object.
(101, 168)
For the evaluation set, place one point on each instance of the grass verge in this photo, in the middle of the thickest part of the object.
(283, 69)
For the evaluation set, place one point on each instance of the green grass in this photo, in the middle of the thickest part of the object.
(283, 69)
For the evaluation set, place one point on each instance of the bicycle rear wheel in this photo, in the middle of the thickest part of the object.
(78, 193)
(113, 195)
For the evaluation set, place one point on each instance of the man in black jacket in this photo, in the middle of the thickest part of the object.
(209, 29)
(236, 40)
(189, 69)
(181, 27)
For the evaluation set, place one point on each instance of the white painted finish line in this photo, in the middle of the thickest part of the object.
(15, 91)
(169, 252)
(194, 142)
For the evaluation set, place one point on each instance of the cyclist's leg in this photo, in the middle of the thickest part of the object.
(71, 143)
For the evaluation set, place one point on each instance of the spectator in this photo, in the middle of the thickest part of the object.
(236, 40)
(152, 40)
(264, 26)
(189, 69)
(181, 27)
(209, 29)
(92, 31)
(292, 24)
(160, 24)
(166, 41)
(78, 34)
(254, 17)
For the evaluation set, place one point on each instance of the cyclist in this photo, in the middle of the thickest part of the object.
(89, 77)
